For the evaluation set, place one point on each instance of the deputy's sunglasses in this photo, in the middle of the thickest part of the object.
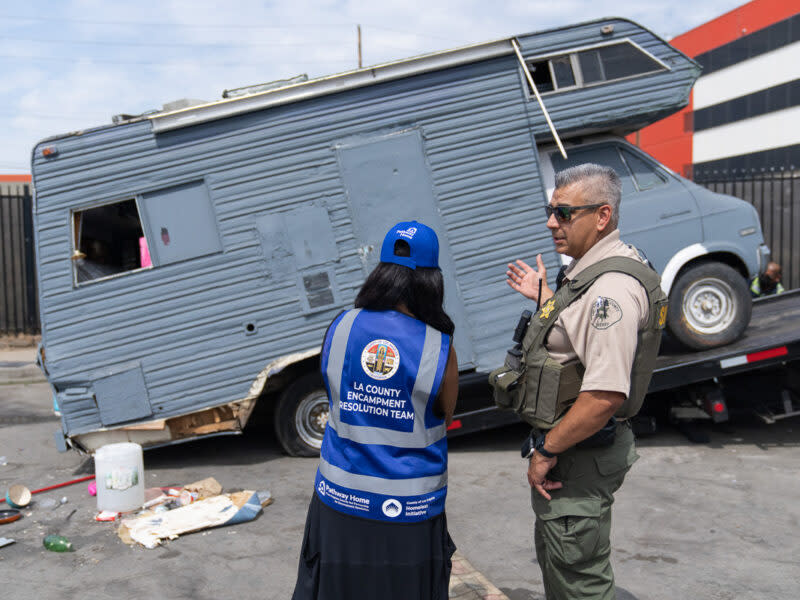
(563, 213)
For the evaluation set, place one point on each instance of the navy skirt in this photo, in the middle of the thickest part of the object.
(347, 557)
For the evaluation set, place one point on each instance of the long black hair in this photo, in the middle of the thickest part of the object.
(420, 289)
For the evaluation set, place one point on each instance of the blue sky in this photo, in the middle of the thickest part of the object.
(73, 64)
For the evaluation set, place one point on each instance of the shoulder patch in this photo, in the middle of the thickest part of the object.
(605, 312)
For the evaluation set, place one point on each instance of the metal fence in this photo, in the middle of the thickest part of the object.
(775, 195)
(19, 312)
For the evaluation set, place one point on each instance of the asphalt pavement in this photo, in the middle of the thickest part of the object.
(716, 520)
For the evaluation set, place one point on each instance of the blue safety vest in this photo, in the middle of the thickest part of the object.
(384, 454)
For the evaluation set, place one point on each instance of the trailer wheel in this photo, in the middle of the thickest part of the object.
(301, 416)
(709, 306)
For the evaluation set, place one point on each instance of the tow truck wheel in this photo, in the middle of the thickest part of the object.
(301, 416)
(709, 306)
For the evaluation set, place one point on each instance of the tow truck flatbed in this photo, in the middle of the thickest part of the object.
(771, 339)
(773, 336)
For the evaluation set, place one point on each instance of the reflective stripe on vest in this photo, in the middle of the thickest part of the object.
(379, 485)
(375, 461)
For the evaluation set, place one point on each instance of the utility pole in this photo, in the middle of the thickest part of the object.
(359, 46)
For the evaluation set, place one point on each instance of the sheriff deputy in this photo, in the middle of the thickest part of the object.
(589, 354)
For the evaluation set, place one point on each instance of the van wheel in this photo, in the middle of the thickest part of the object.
(709, 306)
(301, 416)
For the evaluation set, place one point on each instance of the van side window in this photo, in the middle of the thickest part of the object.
(606, 155)
(107, 240)
(645, 174)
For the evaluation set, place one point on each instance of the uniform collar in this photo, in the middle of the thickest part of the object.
(602, 249)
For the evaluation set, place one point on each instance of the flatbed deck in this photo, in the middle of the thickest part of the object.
(773, 337)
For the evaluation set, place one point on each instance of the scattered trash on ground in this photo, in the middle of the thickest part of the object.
(224, 509)
(205, 487)
(264, 498)
(9, 516)
(18, 496)
(47, 503)
(165, 512)
(57, 543)
(3, 463)
(119, 471)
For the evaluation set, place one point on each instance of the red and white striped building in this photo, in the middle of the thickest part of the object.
(744, 112)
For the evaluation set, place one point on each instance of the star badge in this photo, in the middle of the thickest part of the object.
(547, 309)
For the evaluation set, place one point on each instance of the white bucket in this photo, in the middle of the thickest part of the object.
(119, 474)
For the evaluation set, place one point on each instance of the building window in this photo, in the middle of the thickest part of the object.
(592, 66)
(688, 121)
(108, 240)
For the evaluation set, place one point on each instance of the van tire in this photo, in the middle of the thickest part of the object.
(709, 306)
(301, 415)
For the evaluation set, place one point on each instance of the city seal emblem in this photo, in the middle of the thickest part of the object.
(380, 359)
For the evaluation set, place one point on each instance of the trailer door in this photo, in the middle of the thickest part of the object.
(387, 181)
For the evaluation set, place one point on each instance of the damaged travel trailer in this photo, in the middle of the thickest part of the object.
(190, 260)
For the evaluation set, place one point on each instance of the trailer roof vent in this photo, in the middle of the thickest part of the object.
(181, 104)
(264, 87)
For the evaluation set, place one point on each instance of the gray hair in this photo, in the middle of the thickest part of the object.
(601, 184)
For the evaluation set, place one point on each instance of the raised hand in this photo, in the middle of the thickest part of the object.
(525, 279)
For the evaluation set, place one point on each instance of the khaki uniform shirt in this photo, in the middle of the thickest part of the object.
(600, 328)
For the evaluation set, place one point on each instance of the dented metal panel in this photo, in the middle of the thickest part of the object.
(201, 325)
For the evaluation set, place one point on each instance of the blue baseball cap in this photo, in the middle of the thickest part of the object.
(420, 238)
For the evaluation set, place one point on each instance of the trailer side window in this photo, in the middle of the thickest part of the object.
(108, 240)
(591, 66)
(540, 71)
(615, 62)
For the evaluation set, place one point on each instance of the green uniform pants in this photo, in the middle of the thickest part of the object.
(572, 534)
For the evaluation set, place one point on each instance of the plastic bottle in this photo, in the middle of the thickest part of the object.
(57, 543)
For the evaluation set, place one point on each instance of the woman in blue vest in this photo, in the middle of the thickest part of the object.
(376, 526)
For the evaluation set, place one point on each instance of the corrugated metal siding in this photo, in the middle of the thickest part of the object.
(184, 323)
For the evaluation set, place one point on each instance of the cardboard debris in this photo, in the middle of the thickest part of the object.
(225, 509)
(205, 488)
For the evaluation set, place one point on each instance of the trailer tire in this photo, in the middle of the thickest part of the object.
(709, 306)
(301, 415)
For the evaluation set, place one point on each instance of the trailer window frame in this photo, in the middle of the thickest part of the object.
(78, 253)
(574, 58)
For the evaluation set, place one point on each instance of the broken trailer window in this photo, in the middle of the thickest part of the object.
(540, 71)
(108, 240)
